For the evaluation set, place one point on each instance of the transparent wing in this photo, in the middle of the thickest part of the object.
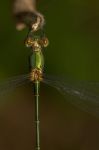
(11, 83)
(85, 94)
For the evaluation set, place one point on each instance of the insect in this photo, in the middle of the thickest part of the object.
(86, 93)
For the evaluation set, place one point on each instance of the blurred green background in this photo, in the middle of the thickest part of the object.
(72, 27)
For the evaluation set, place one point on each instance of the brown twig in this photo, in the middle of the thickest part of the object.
(21, 7)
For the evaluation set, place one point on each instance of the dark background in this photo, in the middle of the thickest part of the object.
(72, 27)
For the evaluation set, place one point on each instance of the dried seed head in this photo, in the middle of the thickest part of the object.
(23, 6)
(26, 15)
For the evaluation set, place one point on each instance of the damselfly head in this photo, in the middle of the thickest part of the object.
(33, 43)
(36, 43)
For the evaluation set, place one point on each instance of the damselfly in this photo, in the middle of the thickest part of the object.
(87, 93)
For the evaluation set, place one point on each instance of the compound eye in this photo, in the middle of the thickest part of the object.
(45, 41)
(28, 42)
